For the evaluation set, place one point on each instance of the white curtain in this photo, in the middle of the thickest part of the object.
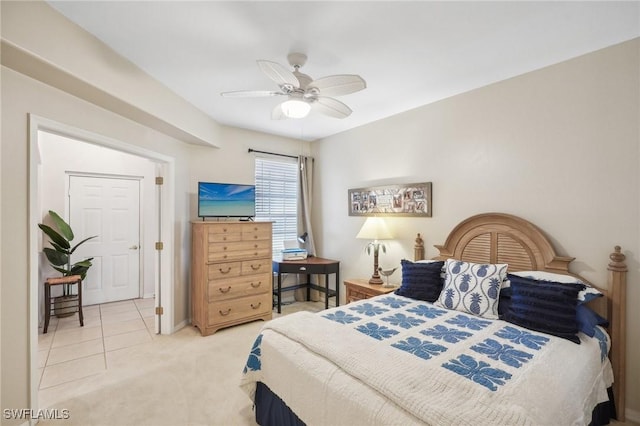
(305, 197)
(305, 210)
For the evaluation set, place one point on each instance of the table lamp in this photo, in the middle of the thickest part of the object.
(374, 228)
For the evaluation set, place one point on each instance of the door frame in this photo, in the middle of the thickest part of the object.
(141, 207)
(165, 193)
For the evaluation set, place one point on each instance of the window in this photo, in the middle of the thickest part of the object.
(277, 198)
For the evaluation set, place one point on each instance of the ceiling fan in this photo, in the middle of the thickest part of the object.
(302, 92)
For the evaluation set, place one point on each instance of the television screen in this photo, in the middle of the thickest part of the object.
(226, 200)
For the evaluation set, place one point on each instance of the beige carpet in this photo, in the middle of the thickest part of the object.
(182, 379)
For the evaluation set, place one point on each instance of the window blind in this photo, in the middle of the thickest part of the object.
(277, 198)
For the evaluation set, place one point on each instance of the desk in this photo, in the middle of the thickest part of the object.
(308, 266)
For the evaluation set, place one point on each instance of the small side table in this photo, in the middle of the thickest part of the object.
(358, 289)
(308, 266)
(48, 300)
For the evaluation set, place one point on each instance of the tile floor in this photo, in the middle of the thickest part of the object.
(69, 352)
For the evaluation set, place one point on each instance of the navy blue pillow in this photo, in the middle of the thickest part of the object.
(588, 320)
(503, 302)
(544, 306)
(421, 281)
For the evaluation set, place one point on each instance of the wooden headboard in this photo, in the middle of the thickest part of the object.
(504, 238)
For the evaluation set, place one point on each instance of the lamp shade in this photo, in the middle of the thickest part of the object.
(374, 228)
(294, 108)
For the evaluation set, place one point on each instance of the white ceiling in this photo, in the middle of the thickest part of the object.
(410, 53)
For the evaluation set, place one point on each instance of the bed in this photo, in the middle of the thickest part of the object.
(509, 352)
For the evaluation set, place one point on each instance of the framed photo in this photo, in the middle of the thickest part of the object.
(413, 199)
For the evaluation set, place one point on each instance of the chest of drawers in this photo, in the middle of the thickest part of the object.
(231, 279)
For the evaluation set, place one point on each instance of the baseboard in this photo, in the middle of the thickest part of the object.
(181, 325)
(632, 415)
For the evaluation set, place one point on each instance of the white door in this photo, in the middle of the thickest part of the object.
(109, 208)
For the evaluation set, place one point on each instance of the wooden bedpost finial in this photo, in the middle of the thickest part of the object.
(418, 249)
(617, 260)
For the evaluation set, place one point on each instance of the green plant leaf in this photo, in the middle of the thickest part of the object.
(58, 248)
(54, 236)
(85, 263)
(62, 226)
(81, 242)
(81, 268)
(55, 257)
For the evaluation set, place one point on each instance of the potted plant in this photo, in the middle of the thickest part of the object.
(59, 256)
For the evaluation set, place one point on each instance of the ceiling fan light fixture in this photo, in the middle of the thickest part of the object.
(294, 108)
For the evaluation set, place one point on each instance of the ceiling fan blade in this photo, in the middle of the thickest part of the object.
(278, 73)
(277, 113)
(331, 107)
(336, 85)
(250, 94)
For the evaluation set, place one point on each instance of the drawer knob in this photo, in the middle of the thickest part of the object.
(256, 306)
(225, 272)
(224, 238)
(225, 291)
(254, 267)
(255, 237)
(302, 268)
(225, 313)
(254, 285)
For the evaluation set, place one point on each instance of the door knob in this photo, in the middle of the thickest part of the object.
(133, 247)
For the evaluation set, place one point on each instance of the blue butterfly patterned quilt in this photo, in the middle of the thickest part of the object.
(396, 360)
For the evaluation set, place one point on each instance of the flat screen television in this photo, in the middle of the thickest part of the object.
(226, 200)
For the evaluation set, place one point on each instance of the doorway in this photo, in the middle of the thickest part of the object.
(162, 202)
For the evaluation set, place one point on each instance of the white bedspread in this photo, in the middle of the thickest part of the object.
(394, 360)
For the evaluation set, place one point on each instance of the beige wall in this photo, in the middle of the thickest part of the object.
(559, 147)
(234, 163)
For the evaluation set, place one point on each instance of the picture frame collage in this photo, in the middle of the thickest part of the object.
(412, 199)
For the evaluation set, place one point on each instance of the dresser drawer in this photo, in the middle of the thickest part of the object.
(242, 250)
(218, 271)
(256, 231)
(228, 237)
(234, 309)
(225, 228)
(239, 287)
(239, 255)
(257, 266)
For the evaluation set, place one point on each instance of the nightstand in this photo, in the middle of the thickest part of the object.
(358, 289)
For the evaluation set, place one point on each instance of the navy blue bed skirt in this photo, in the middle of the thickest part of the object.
(272, 411)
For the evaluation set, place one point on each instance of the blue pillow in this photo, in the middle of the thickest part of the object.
(503, 302)
(546, 307)
(588, 320)
(421, 281)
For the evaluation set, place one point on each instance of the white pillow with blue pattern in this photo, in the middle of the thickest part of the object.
(473, 288)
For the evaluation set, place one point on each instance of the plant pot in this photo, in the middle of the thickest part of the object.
(65, 306)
